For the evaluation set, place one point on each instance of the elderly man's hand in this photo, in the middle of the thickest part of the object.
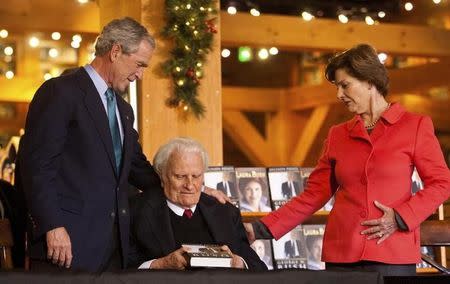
(59, 247)
(217, 194)
(383, 227)
(236, 260)
(175, 260)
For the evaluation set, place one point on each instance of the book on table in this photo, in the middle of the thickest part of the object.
(206, 255)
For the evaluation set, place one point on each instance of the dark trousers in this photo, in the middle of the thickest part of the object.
(112, 259)
(383, 268)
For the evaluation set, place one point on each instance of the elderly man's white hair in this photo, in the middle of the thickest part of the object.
(180, 145)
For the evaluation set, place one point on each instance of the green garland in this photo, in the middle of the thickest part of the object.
(190, 26)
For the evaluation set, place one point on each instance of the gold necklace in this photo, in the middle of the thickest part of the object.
(372, 125)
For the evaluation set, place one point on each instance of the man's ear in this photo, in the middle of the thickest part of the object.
(116, 50)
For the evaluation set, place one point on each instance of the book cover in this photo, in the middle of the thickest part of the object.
(285, 183)
(314, 240)
(263, 249)
(290, 250)
(253, 190)
(223, 179)
(304, 175)
(200, 255)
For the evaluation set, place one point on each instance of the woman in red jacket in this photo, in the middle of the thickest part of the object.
(367, 164)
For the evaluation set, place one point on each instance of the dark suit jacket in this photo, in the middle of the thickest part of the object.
(68, 173)
(221, 186)
(287, 192)
(153, 236)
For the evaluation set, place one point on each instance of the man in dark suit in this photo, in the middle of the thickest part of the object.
(291, 187)
(180, 213)
(80, 152)
(227, 186)
(292, 248)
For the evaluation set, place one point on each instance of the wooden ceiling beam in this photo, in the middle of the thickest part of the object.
(309, 134)
(292, 33)
(416, 79)
(251, 99)
(51, 15)
(248, 139)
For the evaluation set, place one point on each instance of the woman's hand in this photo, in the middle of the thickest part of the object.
(382, 227)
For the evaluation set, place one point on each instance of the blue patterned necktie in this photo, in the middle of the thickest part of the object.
(114, 127)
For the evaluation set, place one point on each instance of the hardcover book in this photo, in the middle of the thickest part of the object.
(304, 175)
(290, 250)
(285, 183)
(253, 190)
(263, 249)
(313, 240)
(207, 256)
(223, 179)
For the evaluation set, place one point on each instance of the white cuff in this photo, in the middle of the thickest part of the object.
(146, 265)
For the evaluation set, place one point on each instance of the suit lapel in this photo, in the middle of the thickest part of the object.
(97, 112)
(161, 223)
(213, 220)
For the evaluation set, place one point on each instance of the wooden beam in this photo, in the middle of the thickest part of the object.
(304, 97)
(251, 99)
(309, 134)
(414, 79)
(248, 139)
(419, 78)
(292, 33)
(51, 15)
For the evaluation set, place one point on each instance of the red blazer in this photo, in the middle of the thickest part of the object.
(361, 168)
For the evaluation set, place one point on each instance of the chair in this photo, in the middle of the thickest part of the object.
(6, 243)
(435, 233)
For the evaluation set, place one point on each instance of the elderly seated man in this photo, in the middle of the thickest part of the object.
(180, 213)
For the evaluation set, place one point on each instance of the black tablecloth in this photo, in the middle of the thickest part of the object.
(196, 277)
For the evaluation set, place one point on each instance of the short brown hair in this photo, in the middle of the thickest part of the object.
(362, 63)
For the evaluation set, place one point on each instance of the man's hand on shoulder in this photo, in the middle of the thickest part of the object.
(217, 194)
(59, 247)
(174, 260)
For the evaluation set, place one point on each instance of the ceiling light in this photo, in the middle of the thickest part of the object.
(273, 50)
(369, 20)
(83, 1)
(382, 57)
(408, 6)
(254, 12)
(263, 54)
(56, 36)
(8, 50)
(381, 14)
(436, 1)
(343, 18)
(3, 33)
(53, 52)
(307, 16)
(225, 52)
(77, 37)
(9, 74)
(75, 44)
(231, 10)
(33, 42)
